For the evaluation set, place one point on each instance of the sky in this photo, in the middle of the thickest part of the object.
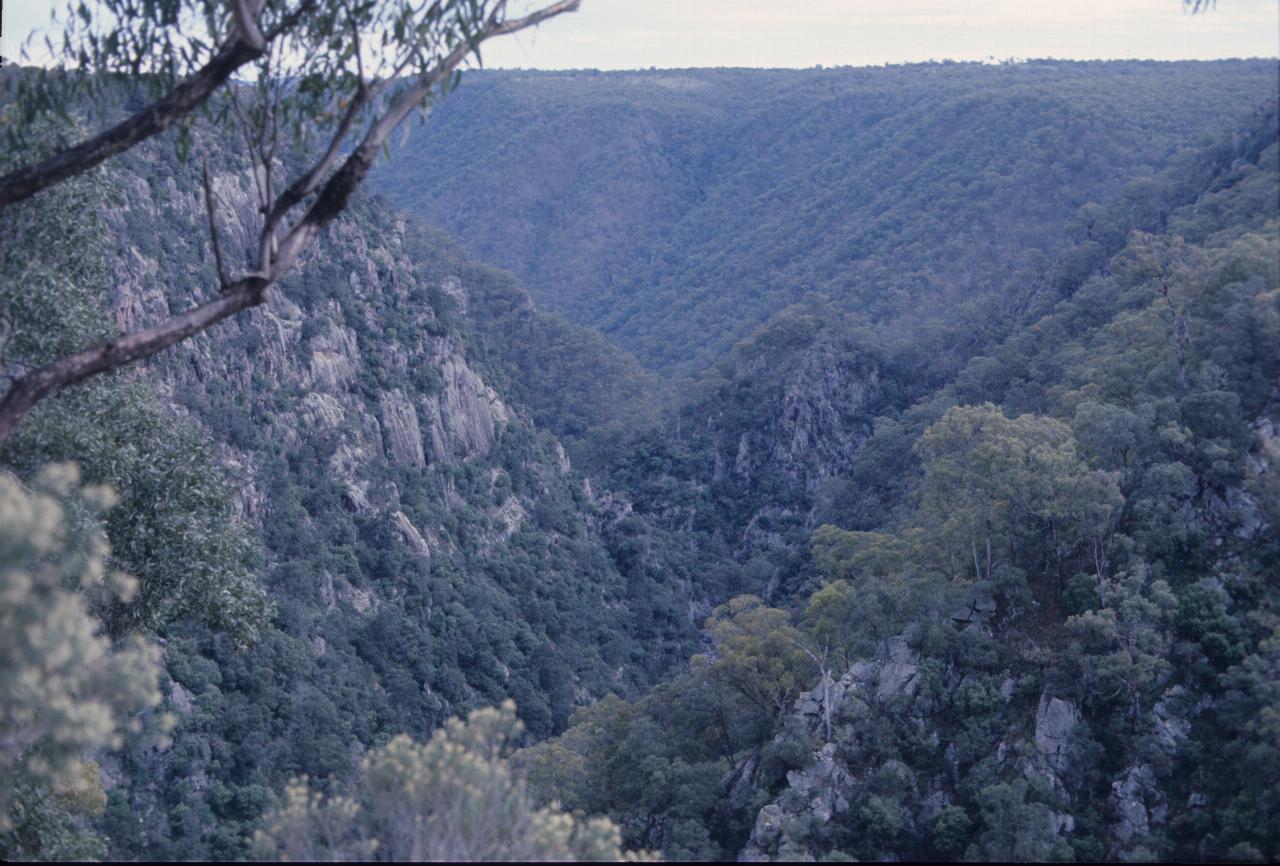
(637, 34)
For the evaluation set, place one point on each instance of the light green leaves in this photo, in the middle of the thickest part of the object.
(453, 797)
(64, 688)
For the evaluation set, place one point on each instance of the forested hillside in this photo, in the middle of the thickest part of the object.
(1040, 622)
(342, 531)
(677, 210)
(900, 482)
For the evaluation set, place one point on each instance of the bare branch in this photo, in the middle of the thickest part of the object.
(245, 13)
(51, 378)
(359, 46)
(306, 184)
(246, 127)
(154, 119)
(209, 205)
(337, 191)
(533, 19)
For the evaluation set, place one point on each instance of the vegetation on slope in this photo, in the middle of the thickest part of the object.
(994, 584)
(1053, 634)
(677, 210)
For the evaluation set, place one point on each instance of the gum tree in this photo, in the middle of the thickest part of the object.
(335, 78)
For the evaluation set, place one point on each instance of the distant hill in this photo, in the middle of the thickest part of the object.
(677, 210)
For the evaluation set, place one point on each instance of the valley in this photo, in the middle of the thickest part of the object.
(853, 463)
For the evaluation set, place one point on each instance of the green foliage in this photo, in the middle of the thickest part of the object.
(52, 273)
(1045, 471)
(1098, 447)
(908, 194)
(877, 588)
(174, 528)
(369, 638)
(109, 46)
(1126, 641)
(574, 383)
(659, 766)
(1081, 595)
(759, 653)
(950, 833)
(1014, 828)
(1251, 737)
(992, 485)
(452, 798)
(65, 689)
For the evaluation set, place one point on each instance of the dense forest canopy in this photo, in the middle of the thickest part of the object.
(676, 210)
(847, 464)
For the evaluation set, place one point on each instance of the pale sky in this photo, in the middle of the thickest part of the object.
(630, 34)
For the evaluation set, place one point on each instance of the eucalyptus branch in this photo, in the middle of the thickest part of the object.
(210, 204)
(246, 131)
(51, 378)
(332, 191)
(245, 15)
(151, 120)
(308, 182)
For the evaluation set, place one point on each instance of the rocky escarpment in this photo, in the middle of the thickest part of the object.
(838, 788)
(816, 419)
(848, 785)
(371, 451)
(315, 354)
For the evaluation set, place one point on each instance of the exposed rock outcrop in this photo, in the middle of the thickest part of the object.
(413, 538)
(826, 786)
(334, 359)
(1055, 720)
(400, 422)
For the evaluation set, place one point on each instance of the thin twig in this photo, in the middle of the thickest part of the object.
(210, 205)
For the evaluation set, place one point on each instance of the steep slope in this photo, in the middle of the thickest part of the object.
(677, 210)
(744, 461)
(1042, 626)
(1182, 627)
(573, 382)
(1098, 417)
(427, 549)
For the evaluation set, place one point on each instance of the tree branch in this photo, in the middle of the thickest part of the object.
(46, 380)
(336, 193)
(333, 197)
(210, 205)
(245, 13)
(154, 119)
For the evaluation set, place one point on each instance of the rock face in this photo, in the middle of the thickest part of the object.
(310, 350)
(1035, 749)
(812, 422)
(1136, 804)
(1055, 720)
(794, 406)
(977, 610)
(889, 685)
(413, 538)
(827, 785)
(321, 410)
(335, 359)
(824, 406)
(464, 419)
(400, 421)
(388, 479)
